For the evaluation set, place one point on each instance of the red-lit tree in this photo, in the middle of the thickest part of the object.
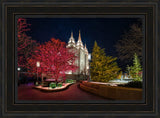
(26, 45)
(55, 59)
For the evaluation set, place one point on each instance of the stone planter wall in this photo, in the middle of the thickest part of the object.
(112, 92)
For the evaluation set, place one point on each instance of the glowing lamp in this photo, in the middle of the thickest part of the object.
(18, 69)
(38, 64)
(70, 72)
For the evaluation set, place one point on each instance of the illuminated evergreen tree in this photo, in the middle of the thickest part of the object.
(119, 75)
(136, 69)
(103, 68)
(111, 68)
(97, 62)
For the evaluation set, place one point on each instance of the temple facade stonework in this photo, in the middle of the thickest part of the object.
(82, 55)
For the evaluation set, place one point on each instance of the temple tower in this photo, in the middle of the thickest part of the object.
(82, 54)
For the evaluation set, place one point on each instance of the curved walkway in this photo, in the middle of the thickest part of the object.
(72, 93)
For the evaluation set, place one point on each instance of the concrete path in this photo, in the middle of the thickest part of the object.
(26, 92)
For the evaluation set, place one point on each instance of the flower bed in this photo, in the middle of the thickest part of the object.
(53, 88)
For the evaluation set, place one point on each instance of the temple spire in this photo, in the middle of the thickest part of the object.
(71, 34)
(86, 50)
(79, 43)
(71, 41)
(79, 38)
(85, 46)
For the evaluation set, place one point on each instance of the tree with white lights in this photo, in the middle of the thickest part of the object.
(103, 68)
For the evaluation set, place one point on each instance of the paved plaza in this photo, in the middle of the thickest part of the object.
(26, 92)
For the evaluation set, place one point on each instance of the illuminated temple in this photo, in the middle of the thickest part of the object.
(82, 61)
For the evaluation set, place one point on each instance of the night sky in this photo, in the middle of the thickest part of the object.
(106, 31)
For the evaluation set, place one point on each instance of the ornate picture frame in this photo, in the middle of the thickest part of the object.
(11, 107)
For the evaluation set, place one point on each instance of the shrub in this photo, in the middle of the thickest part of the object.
(52, 85)
(74, 81)
(59, 84)
(69, 81)
(132, 84)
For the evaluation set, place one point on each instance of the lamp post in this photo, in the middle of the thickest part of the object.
(38, 65)
(19, 69)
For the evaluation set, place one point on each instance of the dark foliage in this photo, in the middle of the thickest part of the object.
(132, 84)
(130, 44)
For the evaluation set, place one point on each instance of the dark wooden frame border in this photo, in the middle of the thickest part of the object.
(150, 107)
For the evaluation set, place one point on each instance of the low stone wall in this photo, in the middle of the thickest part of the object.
(112, 92)
(71, 76)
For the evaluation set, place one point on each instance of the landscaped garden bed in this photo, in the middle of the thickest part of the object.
(51, 86)
(50, 89)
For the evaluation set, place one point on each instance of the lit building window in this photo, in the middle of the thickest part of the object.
(89, 56)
